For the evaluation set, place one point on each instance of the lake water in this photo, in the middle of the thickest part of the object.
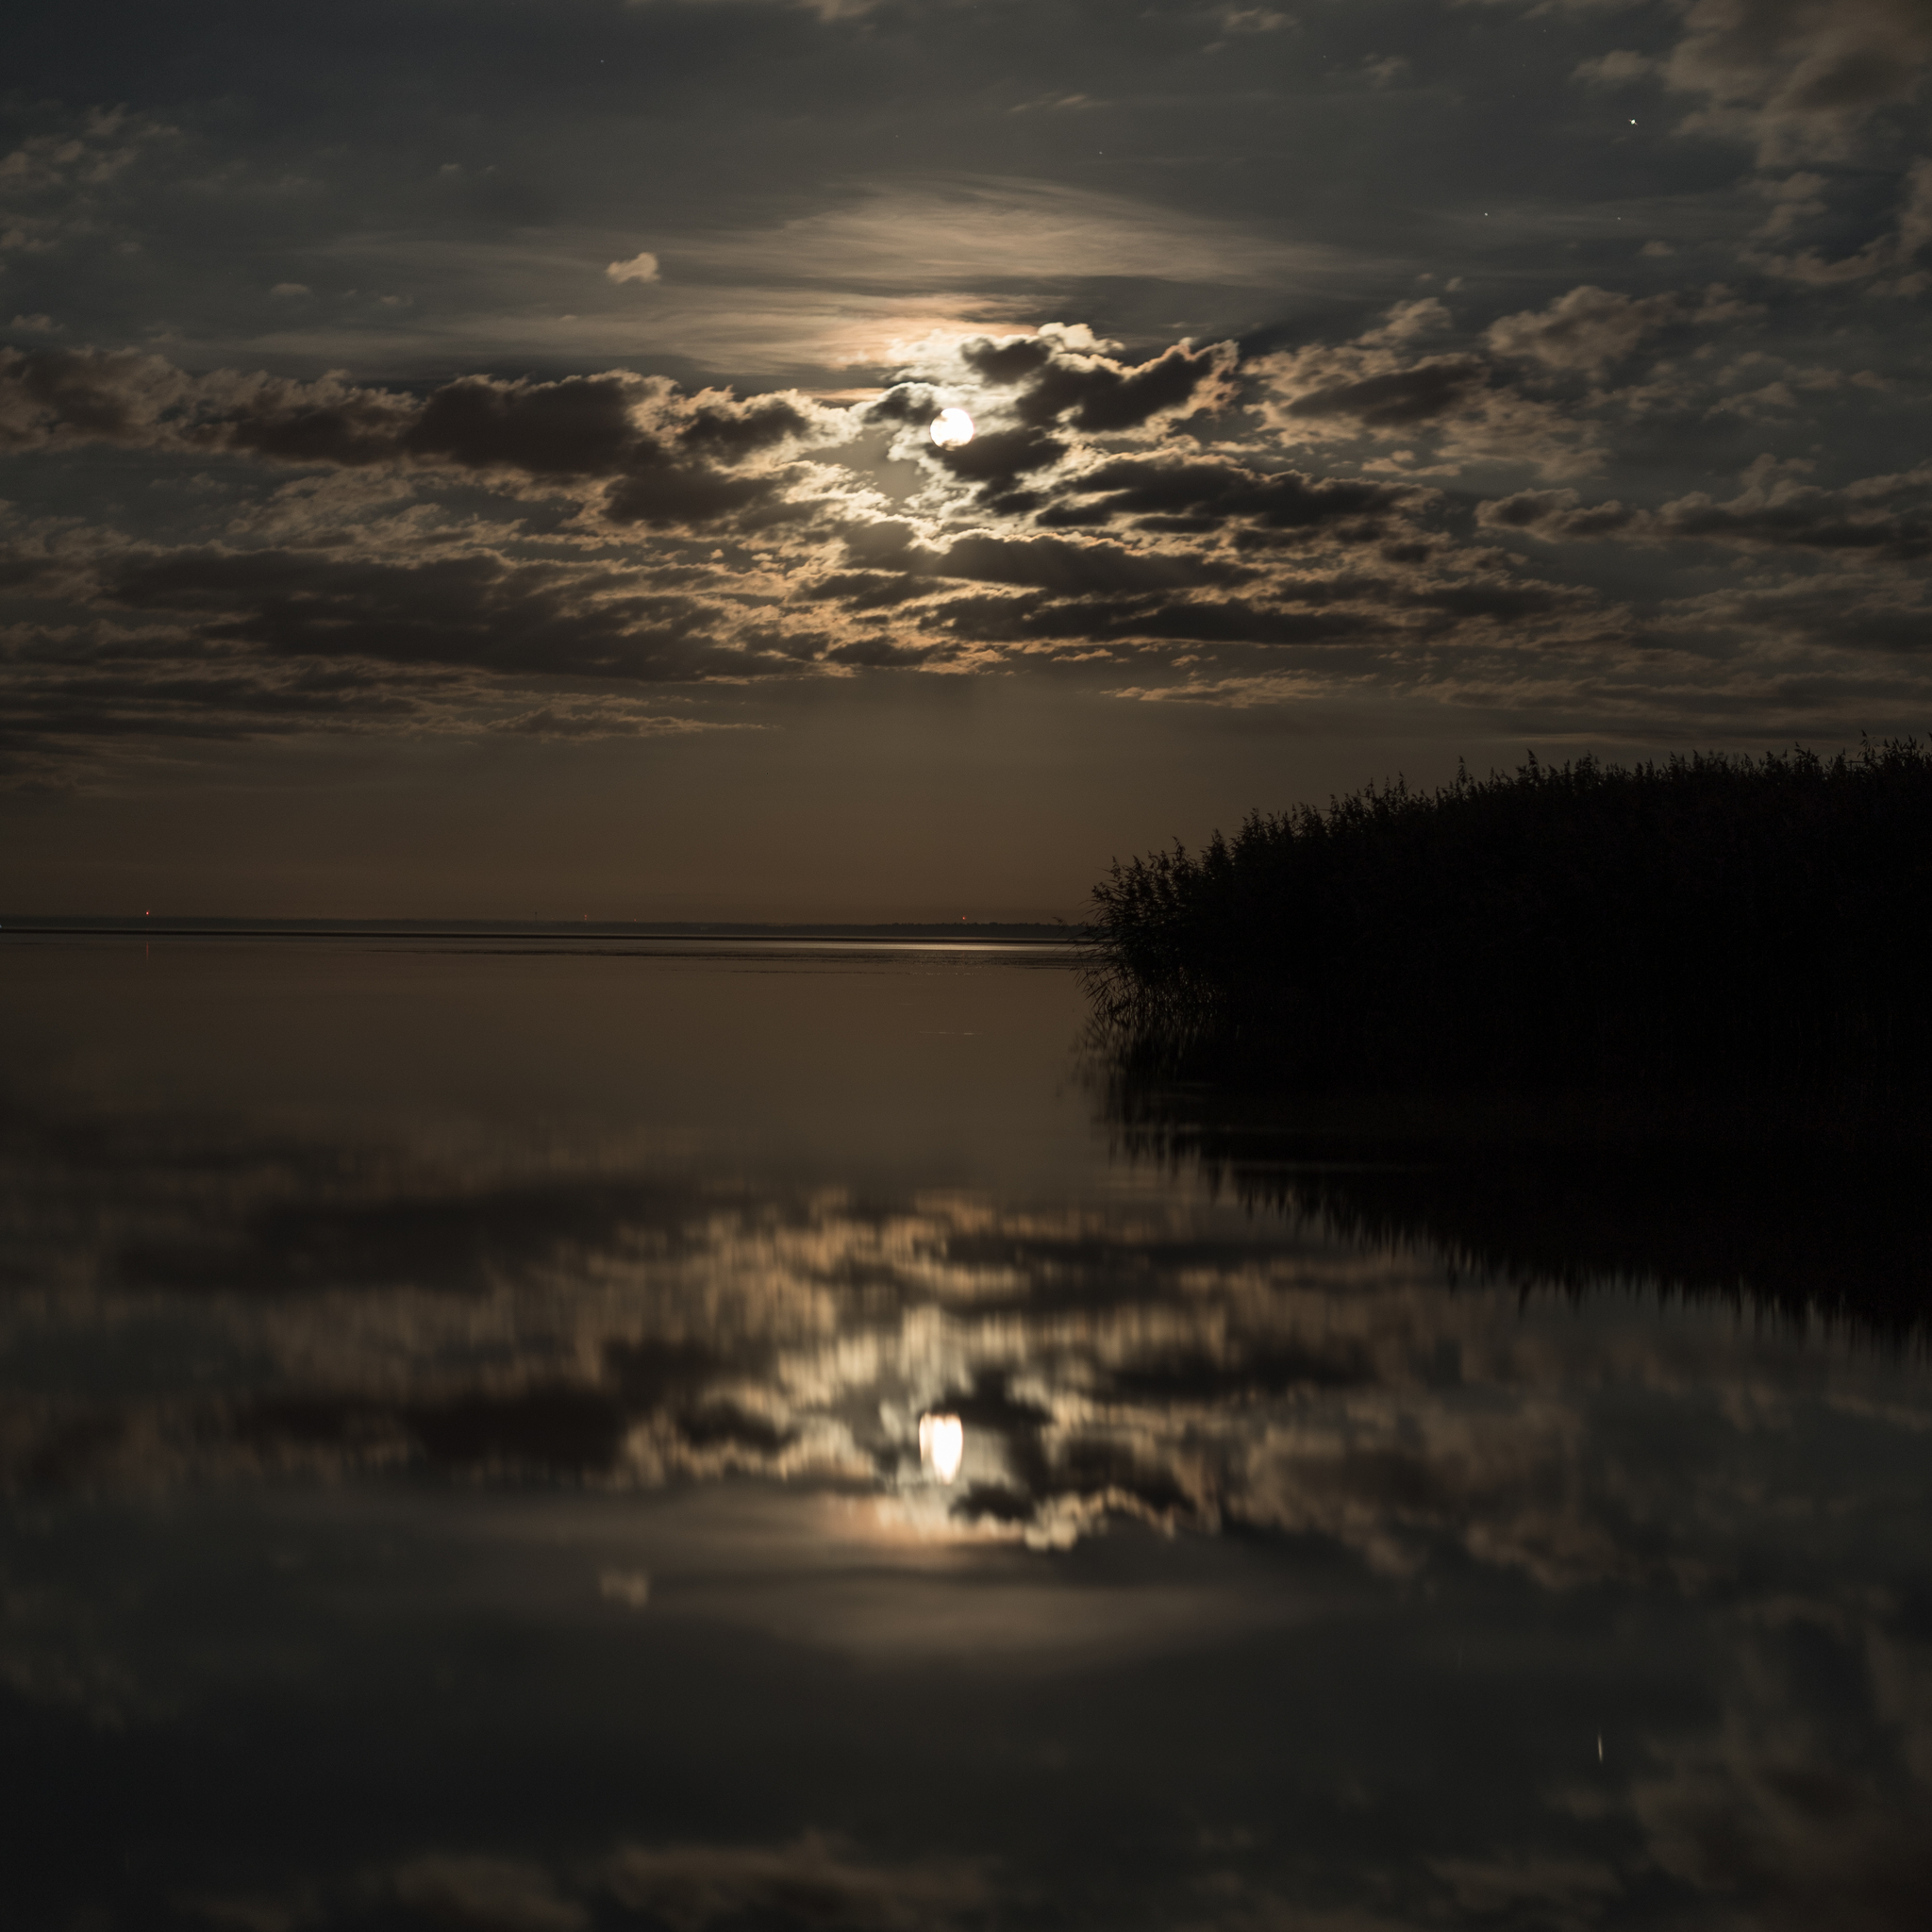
(460, 1428)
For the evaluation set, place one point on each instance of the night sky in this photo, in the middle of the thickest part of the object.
(474, 458)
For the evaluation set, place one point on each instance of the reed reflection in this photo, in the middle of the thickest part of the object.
(1797, 1212)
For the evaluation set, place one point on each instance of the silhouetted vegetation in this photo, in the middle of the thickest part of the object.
(1712, 924)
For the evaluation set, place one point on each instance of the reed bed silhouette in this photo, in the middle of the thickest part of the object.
(1758, 930)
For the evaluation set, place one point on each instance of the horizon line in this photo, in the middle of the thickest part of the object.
(237, 924)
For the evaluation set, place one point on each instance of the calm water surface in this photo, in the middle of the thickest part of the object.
(459, 1429)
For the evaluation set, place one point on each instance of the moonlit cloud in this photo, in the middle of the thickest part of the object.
(434, 452)
(488, 1891)
(1801, 79)
(969, 232)
(695, 1886)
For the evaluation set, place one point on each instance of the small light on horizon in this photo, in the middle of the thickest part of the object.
(941, 1444)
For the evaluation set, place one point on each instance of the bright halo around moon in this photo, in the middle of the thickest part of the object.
(952, 429)
(943, 1444)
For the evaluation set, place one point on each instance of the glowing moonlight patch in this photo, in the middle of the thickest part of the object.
(952, 429)
(942, 1443)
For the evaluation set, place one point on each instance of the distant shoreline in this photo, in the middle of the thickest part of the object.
(1012, 932)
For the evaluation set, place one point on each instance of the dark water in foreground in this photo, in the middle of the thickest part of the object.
(459, 1434)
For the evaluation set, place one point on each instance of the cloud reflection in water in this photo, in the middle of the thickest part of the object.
(318, 1411)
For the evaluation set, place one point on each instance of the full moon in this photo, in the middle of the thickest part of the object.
(952, 428)
(942, 1444)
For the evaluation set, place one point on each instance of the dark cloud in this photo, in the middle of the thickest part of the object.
(1071, 569)
(570, 428)
(474, 611)
(668, 494)
(734, 431)
(1002, 454)
(1402, 397)
(905, 403)
(1554, 513)
(51, 396)
(670, 455)
(1799, 80)
(1102, 396)
(1011, 362)
(1132, 624)
(1068, 383)
(1196, 496)
(1887, 518)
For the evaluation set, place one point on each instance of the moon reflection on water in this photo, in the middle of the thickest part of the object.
(941, 1444)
